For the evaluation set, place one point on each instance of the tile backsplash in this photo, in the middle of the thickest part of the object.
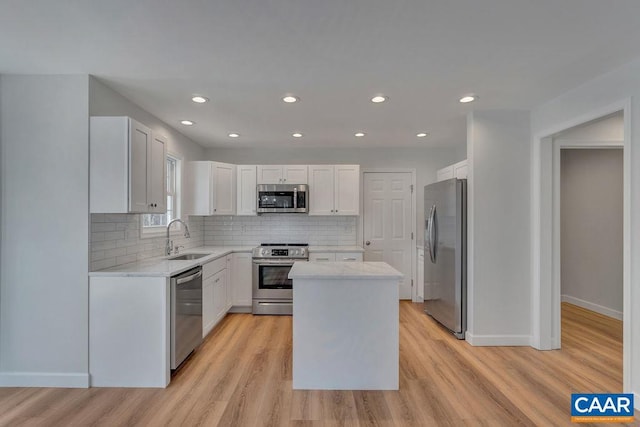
(115, 239)
(286, 228)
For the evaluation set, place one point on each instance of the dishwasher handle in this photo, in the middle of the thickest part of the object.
(188, 278)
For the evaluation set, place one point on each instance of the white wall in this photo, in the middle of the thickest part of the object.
(498, 206)
(45, 229)
(425, 160)
(115, 239)
(591, 229)
(600, 94)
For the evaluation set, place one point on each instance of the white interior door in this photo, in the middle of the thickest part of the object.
(387, 222)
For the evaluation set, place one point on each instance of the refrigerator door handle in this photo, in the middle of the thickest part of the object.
(434, 234)
(429, 239)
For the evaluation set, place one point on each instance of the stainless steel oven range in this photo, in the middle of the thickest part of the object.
(272, 289)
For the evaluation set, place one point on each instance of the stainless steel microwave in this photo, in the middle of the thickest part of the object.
(283, 198)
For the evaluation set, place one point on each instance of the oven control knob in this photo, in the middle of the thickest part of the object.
(263, 251)
(294, 252)
(303, 252)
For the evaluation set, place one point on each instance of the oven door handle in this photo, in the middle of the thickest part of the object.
(275, 263)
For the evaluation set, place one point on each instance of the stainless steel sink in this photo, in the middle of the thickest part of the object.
(184, 257)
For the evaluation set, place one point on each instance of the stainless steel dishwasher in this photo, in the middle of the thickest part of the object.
(186, 314)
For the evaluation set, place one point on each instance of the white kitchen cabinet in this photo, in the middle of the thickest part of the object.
(127, 167)
(334, 190)
(220, 295)
(229, 284)
(456, 170)
(246, 183)
(241, 274)
(335, 256)
(214, 299)
(419, 286)
(282, 174)
(212, 188)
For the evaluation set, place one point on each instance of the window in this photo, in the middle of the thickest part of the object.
(156, 223)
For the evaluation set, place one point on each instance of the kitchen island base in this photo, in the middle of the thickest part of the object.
(346, 328)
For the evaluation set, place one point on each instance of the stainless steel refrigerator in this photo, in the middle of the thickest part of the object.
(445, 254)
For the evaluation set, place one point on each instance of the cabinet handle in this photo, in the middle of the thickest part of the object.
(322, 259)
(285, 180)
(348, 259)
(331, 210)
(215, 210)
(336, 210)
(217, 280)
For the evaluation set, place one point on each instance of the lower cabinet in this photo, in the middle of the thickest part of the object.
(335, 256)
(419, 294)
(214, 294)
(242, 276)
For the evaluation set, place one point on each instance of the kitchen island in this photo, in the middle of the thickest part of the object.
(345, 326)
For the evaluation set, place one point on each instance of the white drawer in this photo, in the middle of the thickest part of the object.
(349, 256)
(322, 256)
(211, 268)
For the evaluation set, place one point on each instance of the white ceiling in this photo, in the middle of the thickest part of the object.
(246, 54)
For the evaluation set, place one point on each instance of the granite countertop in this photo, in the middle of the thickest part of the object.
(336, 249)
(163, 267)
(343, 270)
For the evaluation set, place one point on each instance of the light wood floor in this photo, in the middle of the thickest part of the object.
(241, 376)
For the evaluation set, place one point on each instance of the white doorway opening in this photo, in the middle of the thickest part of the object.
(545, 239)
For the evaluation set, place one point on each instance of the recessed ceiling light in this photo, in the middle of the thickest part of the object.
(290, 99)
(359, 134)
(422, 134)
(199, 99)
(234, 135)
(297, 135)
(468, 98)
(378, 99)
(187, 122)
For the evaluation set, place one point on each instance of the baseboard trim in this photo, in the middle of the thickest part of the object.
(240, 309)
(605, 311)
(43, 379)
(498, 340)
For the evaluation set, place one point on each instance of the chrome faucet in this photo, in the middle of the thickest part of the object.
(169, 244)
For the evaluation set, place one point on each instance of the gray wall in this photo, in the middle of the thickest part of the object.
(591, 228)
(45, 230)
(499, 282)
(425, 160)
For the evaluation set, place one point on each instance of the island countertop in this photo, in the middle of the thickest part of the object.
(343, 270)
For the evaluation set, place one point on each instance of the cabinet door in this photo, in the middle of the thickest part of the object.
(157, 180)
(220, 294)
(246, 204)
(139, 145)
(295, 174)
(270, 174)
(242, 279)
(228, 284)
(201, 180)
(347, 190)
(224, 190)
(208, 309)
(460, 170)
(321, 190)
(322, 256)
(444, 173)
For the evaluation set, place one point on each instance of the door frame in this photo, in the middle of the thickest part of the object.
(360, 233)
(559, 145)
(545, 316)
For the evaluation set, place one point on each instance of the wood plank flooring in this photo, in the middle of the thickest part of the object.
(241, 376)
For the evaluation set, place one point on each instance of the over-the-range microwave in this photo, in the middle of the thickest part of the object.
(283, 198)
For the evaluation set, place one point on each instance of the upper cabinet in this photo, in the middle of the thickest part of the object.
(246, 202)
(127, 167)
(456, 170)
(282, 174)
(213, 188)
(334, 190)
